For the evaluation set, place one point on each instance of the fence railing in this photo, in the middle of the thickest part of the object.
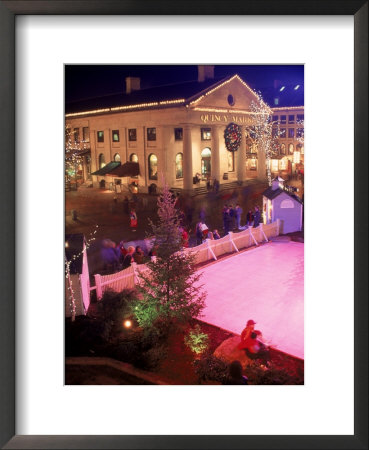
(208, 250)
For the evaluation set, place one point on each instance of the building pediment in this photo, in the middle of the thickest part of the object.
(229, 95)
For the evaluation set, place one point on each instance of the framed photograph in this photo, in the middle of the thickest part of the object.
(37, 40)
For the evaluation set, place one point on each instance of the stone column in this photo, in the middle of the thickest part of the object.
(187, 158)
(241, 157)
(215, 157)
(168, 155)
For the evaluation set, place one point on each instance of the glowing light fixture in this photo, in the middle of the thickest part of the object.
(282, 88)
(296, 87)
(127, 323)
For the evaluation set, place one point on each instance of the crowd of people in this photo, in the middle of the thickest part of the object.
(118, 257)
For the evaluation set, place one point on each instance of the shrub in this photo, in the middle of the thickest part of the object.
(210, 368)
(115, 307)
(85, 335)
(257, 375)
(151, 359)
(196, 340)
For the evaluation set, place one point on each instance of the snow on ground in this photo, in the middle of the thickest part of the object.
(265, 284)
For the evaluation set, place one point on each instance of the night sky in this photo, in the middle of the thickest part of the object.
(87, 81)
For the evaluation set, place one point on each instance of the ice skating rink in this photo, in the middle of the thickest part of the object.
(265, 284)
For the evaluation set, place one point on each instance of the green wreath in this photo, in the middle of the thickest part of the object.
(232, 137)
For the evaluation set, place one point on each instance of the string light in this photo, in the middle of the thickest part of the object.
(194, 102)
(127, 107)
(287, 108)
(87, 244)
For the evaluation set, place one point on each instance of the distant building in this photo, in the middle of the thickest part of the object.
(175, 132)
(288, 129)
(281, 204)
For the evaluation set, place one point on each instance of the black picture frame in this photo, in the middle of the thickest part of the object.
(8, 11)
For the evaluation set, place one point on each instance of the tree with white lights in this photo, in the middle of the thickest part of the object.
(261, 131)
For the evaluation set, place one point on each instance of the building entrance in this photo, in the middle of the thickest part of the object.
(206, 163)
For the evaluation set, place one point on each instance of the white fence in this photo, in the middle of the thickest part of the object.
(208, 250)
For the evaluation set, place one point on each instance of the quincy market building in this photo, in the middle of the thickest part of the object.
(177, 133)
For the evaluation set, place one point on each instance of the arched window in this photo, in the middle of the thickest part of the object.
(206, 162)
(290, 149)
(153, 167)
(179, 165)
(283, 149)
(117, 157)
(133, 157)
(101, 161)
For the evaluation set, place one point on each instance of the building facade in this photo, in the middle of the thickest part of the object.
(186, 135)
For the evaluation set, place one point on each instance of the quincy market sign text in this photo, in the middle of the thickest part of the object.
(226, 118)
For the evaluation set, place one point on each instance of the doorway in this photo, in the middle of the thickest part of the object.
(206, 163)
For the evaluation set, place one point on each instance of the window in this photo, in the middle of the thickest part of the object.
(132, 134)
(291, 133)
(205, 134)
(179, 165)
(151, 134)
(115, 135)
(117, 157)
(86, 134)
(178, 134)
(230, 161)
(274, 132)
(283, 119)
(274, 119)
(300, 148)
(274, 165)
(100, 136)
(252, 164)
(283, 133)
(101, 161)
(230, 100)
(133, 158)
(76, 135)
(276, 101)
(300, 133)
(290, 149)
(300, 118)
(206, 162)
(291, 119)
(153, 167)
(283, 149)
(296, 157)
(283, 164)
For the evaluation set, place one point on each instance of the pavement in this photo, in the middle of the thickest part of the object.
(104, 217)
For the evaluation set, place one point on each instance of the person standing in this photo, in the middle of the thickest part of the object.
(238, 211)
(128, 258)
(257, 217)
(249, 218)
(226, 219)
(139, 255)
(185, 238)
(133, 220)
(198, 231)
(232, 214)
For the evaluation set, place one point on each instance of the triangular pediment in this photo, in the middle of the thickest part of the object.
(231, 93)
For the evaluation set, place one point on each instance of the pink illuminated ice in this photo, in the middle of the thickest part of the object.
(265, 284)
